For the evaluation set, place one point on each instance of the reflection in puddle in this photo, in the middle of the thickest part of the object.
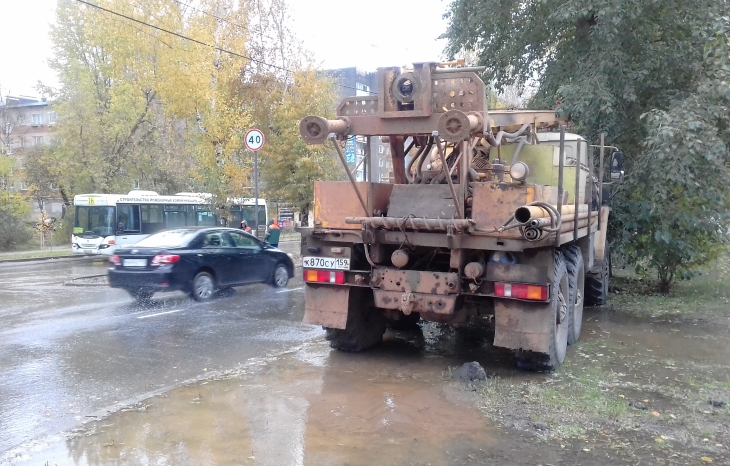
(313, 406)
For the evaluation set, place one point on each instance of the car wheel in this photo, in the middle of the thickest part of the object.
(280, 277)
(203, 286)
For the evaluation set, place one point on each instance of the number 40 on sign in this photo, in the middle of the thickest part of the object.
(254, 139)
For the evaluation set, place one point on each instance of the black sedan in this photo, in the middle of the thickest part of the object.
(198, 261)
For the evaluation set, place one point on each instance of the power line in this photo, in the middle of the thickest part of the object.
(240, 26)
(215, 47)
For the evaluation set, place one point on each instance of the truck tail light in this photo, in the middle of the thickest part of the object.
(115, 260)
(324, 276)
(521, 291)
(161, 259)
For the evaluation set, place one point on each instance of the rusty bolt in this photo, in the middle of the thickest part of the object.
(451, 285)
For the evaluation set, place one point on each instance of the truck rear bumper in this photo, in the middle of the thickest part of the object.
(408, 302)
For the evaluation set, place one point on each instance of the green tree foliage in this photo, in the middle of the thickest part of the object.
(140, 104)
(291, 166)
(651, 75)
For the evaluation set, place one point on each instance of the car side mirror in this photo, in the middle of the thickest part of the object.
(617, 167)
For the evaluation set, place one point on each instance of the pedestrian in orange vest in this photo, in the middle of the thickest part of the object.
(272, 233)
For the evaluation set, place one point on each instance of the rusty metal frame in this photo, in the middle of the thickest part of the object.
(445, 168)
(349, 175)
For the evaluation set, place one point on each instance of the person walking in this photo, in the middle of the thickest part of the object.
(272, 233)
(245, 227)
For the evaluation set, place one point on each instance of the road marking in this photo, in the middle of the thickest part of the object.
(291, 289)
(159, 314)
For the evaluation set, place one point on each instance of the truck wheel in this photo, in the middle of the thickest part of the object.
(596, 285)
(365, 324)
(404, 322)
(576, 281)
(560, 311)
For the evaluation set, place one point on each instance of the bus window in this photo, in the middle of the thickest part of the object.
(176, 216)
(249, 215)
(128, 219)
(152, 219)
(206, 219)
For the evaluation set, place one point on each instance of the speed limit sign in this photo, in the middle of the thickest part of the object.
(254, 139)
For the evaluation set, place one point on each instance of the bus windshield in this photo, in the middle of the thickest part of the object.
(247, 213)
(96, 220)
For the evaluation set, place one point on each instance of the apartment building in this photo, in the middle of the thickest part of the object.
(26, 124)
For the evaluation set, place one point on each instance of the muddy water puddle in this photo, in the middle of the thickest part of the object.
(396, 404)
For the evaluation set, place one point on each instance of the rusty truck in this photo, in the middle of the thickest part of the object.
(498, 215)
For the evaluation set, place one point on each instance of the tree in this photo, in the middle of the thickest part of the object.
(291, 166)
(639, 71)
(138, 104)
(282, 87)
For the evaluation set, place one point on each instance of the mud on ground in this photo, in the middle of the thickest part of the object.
(649, 380)
(646, 384)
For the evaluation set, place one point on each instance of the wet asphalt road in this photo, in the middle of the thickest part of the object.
(69, 352)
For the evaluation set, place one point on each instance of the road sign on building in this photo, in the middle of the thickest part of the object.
(350, 150)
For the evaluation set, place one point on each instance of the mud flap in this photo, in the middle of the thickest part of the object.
(326, 305)
(520, 325)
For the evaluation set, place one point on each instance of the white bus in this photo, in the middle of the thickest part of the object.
(240, 208)
(103, 222)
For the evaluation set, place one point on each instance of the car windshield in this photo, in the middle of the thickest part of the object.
(167, 239)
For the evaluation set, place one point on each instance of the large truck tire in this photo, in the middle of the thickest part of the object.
(576, 281)
(560, 309)
(596, 285)
(365, 324)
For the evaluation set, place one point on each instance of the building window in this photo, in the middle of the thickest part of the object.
(37, 119)
(22, 186)
(136, 184)
(381, 149)
(22, 142)
(38, 140)
(362, 89)
(381, 163)
(52, 117)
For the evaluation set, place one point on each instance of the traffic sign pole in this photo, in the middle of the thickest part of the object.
(256, 190)
(255, 141)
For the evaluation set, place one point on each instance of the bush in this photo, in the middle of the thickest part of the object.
(13, 230)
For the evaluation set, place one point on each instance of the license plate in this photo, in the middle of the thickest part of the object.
(134, 262)
(88, 251)
(330, 263)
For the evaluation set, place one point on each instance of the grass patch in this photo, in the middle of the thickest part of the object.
(705, 295)
(35, 255)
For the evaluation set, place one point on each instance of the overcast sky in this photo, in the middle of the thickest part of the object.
(340, 33)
